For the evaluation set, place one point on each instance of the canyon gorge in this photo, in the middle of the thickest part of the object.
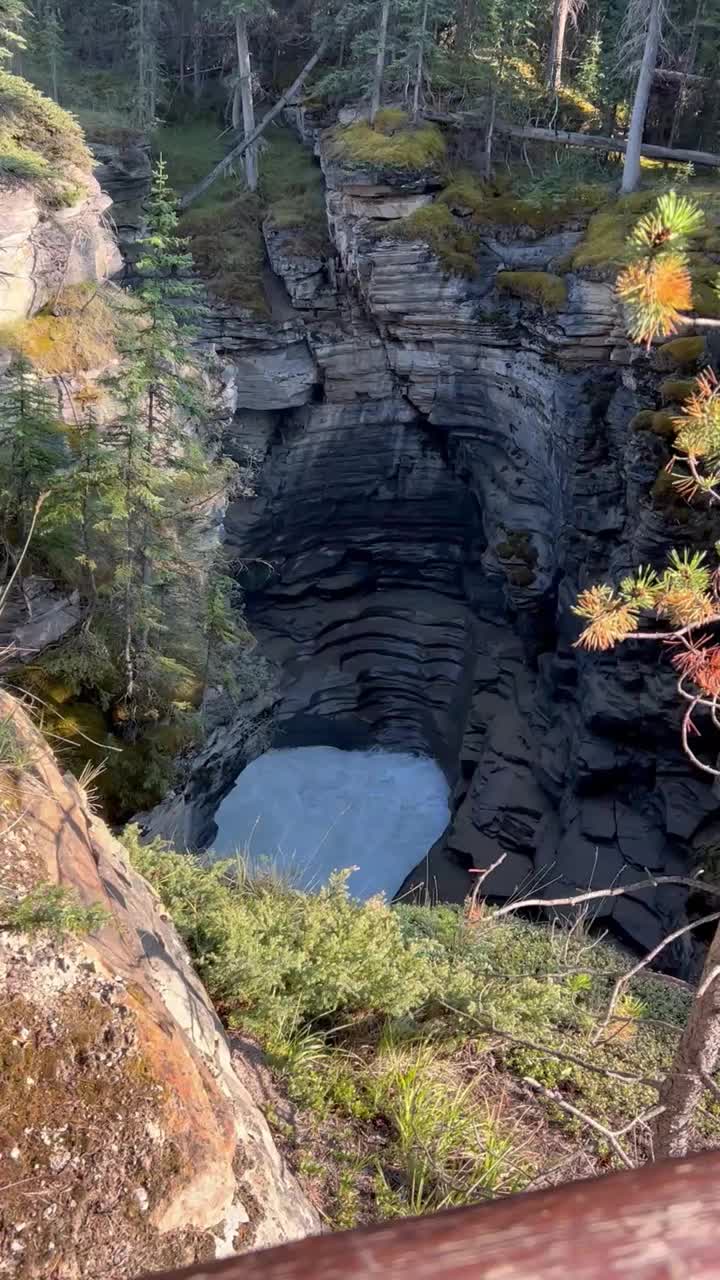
(441, 467)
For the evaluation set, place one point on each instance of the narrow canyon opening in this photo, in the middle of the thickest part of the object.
(306, 812)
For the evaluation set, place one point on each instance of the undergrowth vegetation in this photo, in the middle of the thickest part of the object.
(224, 227)
(405, 1035)
(40, 141)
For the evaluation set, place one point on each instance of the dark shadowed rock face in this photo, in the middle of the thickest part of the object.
(460, 467)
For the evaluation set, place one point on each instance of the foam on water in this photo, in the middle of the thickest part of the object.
(312, 810)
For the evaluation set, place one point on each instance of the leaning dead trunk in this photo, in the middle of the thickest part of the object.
(419, 68)
(696, 1058)
(557, 44)
(380, 60)
(243, 104)
(631, 168)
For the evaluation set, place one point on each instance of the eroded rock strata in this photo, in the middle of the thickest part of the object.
(443, 467)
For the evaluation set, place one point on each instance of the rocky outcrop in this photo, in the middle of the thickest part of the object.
(43, 250)
(462, 466)
(150, 1152)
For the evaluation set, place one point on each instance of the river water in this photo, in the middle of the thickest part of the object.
(311, 810)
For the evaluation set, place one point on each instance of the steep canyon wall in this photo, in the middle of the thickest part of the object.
(442, 468)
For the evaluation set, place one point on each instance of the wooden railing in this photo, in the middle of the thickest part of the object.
(661, 1222)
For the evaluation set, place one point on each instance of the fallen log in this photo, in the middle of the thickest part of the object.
(564, 138)
(236, 152)
(682, 77)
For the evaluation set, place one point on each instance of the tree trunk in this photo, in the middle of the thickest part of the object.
(196, 52)
(631, 168)
(244, 98)
(557, 44)
(689, 62)
(696, 1059)
(380, 60)
(420, 59)
(487, 166)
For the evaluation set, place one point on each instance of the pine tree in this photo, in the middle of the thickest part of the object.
(162, 475)
(32, 448)
(12, 14)
(656, 286)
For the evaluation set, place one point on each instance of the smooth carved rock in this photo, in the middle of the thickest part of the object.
(42, 250)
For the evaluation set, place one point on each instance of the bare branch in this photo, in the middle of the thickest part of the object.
(617, 891)
(611, 1135)
(610, 1073)
(623, 981)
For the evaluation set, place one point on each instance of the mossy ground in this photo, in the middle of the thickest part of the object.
(400, 1038)
(40, 141)
(391, 143)
(224, 227)
(74, 334)
(549, 290)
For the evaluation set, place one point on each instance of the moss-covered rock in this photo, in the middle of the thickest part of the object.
(392, 143)
(681, 353)
(643, 420)
(661, 422)
(489, 204)
(676, 390)
(76, 334)
(446, 235)
(549, 290)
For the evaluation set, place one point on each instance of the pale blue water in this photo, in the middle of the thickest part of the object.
(312, 810)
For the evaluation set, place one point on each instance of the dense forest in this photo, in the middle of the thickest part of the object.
(562, 65)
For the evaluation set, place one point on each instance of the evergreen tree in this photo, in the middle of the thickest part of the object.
(31, 449)
(682, 603)
(163, 479)
(12, 14)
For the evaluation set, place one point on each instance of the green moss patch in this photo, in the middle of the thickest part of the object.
(446, 235)
(392, 143)
(661, 422)
(549, 290)
(38, 140)
(676, 390)
(681, 353)
(490, 204)
(75, 334)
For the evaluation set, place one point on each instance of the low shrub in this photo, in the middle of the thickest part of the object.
(38, 139)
